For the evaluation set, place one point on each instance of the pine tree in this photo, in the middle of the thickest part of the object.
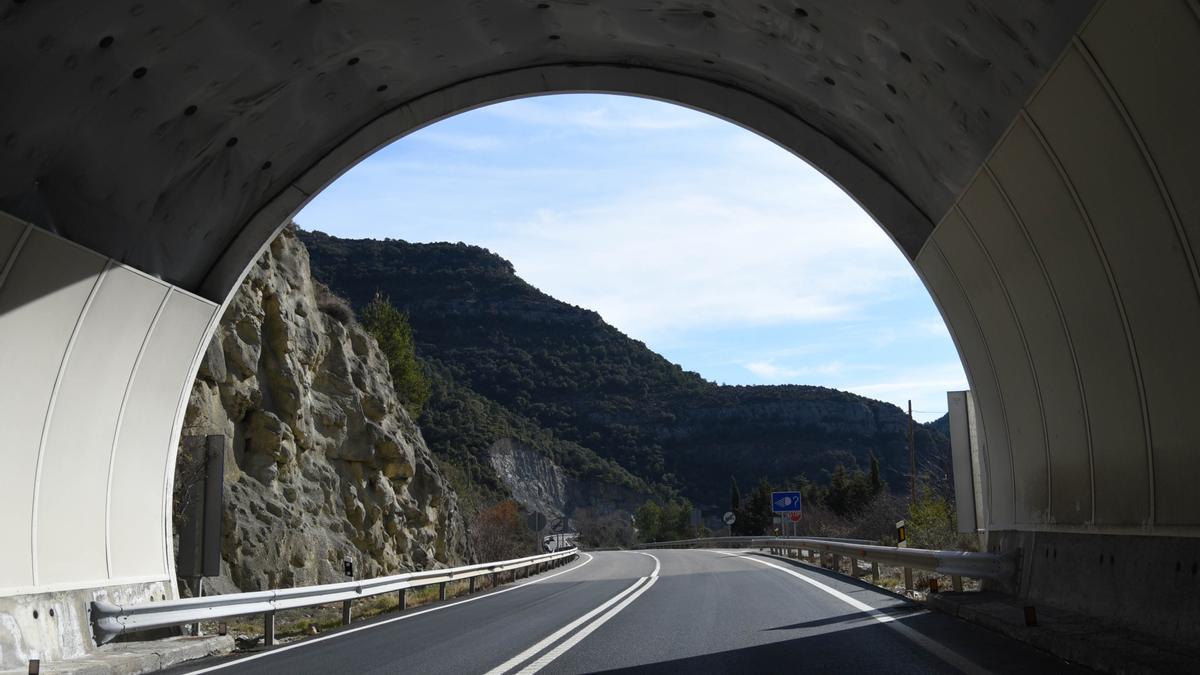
(755, 517)
(390, 328)
(735, 495)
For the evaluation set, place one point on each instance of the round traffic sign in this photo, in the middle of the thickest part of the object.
(729, 518)
(794, 516)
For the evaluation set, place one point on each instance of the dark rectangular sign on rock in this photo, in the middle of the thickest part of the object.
(203, 502)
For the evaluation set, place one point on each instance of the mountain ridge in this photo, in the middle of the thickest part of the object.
(583, 381)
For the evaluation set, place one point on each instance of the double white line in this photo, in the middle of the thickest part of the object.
(621, 600)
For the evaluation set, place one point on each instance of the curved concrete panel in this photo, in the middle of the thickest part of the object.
(72, 504)
(101, 356)
(45, 291)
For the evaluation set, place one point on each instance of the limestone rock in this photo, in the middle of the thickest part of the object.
(322, 460)
(539, 484)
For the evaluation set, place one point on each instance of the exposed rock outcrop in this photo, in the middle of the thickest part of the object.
(539, 484)
(322, 460)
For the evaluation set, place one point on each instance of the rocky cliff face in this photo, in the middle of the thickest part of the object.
(322, 460)
(539, 484)
(534, 480)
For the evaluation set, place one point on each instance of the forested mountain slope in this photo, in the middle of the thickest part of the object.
(592, 392)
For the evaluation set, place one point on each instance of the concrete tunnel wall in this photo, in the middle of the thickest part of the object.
(97, 360)
(1067, 273)
(1035, 161)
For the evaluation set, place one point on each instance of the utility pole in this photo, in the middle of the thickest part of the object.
(912, 457)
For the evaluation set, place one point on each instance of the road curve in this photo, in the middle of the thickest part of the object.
(659, 612)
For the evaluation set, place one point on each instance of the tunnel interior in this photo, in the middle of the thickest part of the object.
(1034, 160)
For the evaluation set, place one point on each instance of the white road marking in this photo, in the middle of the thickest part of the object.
(402, 617)
(942, 652)
(629, 595)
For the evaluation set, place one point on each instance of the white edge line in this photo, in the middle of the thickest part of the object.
(406, 615)
(547, 658)
(941, 651)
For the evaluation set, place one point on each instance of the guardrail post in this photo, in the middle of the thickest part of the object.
(853, 568)
(908, 582)
(403, 604)
(957, 583)
(837, 563)
(472, 589)
(875, 573)
(268, 628)
(347, 606)
(442, 591)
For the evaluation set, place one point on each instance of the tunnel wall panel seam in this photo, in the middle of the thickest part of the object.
(16, 253)
(1149, 260)
(40, 304)
(50, 409)
(1028, 358)
(147, 439)
(176, 429)
(1146, 63)
(119, 423)
(1019, 515)
(994, 473)
(984, 512)
(1063, 324)
(1113, 288)
(1024, 170)
(1147, 157)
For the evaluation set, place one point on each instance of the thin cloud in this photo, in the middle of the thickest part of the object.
(461, 141)
(609, 113)
(775, 373)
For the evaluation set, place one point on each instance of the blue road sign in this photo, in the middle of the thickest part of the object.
(785, 502)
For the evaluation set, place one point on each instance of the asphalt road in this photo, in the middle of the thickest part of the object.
(658, 612)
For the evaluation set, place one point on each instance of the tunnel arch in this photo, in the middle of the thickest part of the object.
(907, 226)
(1034, 161)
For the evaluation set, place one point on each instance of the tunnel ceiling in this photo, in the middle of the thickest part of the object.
(152, 132)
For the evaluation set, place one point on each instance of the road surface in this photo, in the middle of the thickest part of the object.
(669, 611)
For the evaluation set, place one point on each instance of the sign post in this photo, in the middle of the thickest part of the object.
(901, 534)
(729, 519)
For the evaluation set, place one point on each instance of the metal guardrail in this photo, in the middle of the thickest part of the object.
(956, 564)
(110, 620)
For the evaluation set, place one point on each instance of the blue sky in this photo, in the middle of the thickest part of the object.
(715, 247)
